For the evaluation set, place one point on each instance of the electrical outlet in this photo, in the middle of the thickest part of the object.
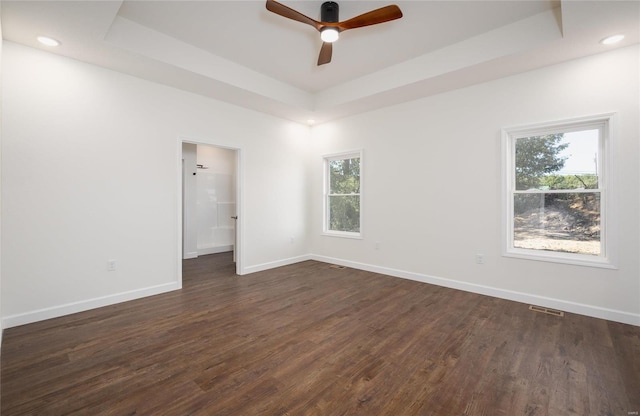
(111, 265)
(377, 245)
(292, 240)
(480, 258)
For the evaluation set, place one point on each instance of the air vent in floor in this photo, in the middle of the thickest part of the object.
(546, 310)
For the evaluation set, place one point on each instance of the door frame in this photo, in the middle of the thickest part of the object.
(238, 248)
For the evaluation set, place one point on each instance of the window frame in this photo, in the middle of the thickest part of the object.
(355, 154)
(606, 124)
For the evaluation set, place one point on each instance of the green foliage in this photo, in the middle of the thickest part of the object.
(536, 157)
(570, 181)
(344, 213)
(344, 199)
(344, 176)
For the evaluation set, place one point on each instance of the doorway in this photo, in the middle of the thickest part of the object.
(210, 205)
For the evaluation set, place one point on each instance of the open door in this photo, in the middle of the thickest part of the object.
(210, 201)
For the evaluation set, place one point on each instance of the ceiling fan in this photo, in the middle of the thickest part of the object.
(329, 26)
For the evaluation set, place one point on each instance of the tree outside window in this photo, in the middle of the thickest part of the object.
(342, 199)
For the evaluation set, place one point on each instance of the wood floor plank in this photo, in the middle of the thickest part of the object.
(310, 339)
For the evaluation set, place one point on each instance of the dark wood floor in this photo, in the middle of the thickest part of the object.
(310, 339)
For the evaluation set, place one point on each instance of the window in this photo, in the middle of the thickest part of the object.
(342, 194)
(556, 184)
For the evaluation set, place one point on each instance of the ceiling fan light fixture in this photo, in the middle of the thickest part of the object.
(329, 34)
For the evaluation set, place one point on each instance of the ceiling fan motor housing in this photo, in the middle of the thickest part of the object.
(329, 12)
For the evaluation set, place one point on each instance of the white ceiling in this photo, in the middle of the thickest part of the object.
(239, 52)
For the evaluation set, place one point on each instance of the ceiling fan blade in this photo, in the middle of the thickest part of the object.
(325, 53)
(288, 12)
(381, 15)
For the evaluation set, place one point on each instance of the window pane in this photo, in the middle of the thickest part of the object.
(344, 213)
(568, 222)
(344, 176)
(558, 161)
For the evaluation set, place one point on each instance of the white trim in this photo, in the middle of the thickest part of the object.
(239, 222)
(568, 306)
(85, 305)
(606, 123)
(343, 234)
(560, 126)
(189, 255)
(179, 204)
(559, 257)
(526, 298)
(343, 155)
(278, 263)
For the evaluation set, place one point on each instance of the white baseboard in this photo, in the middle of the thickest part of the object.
(214, 250)
(85, 305)
(563, 305)
(190, 255)
(274, 264)
(567, 306)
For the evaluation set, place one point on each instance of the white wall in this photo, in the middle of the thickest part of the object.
(431, 187)
(216, 199)
(92, 170)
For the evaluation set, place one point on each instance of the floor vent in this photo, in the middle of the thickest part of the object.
(335, 266)
(546, 310)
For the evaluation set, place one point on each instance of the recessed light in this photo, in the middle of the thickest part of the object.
(610, 40)
(311, 122)
(46, 40)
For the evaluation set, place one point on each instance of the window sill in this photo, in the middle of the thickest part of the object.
(575, 260)
(342, 234)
